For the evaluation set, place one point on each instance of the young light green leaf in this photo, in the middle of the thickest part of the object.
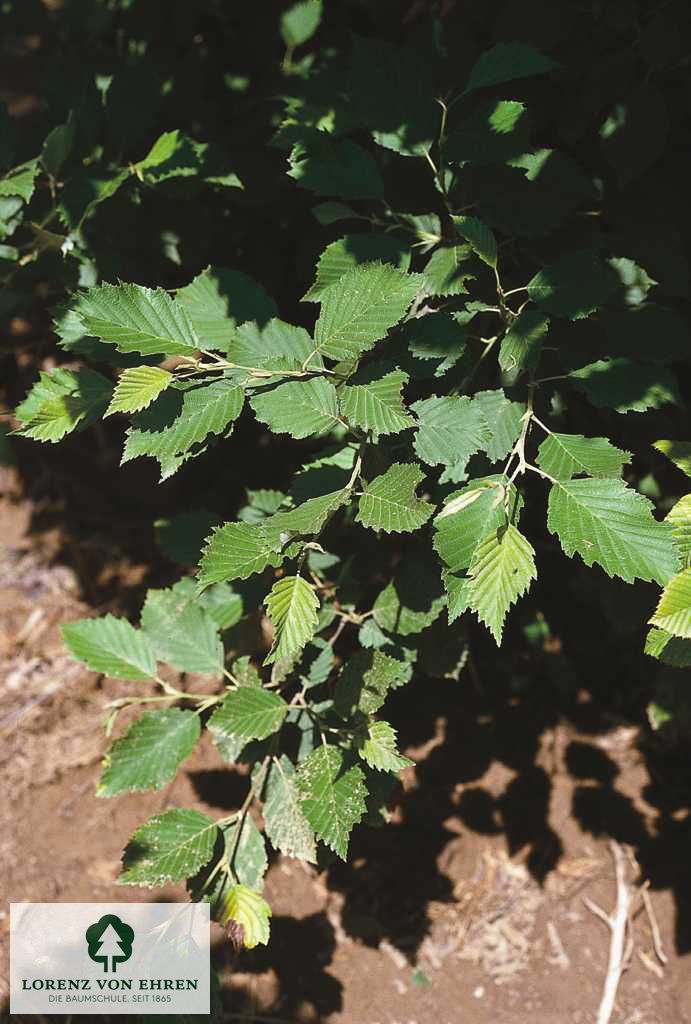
(679, 518)
(480, 238)
(137, 319)
(575, 286)
(219, 299)
(451, 429)
(448, 269)
(181, 632)
(292, 607)
(299, 22)
(150, 752)
(606, 522)
(249, 713)
(284, 822)
(377, 746)
(389, 502)
(61, 401)
(359, 309)
(332, 796)
(504, 419)
(137, 388)
(625, 386)
(377, 405)
(180, 420)
(111, 646)
(679, 452)
(247, 913)
(506, 62)
(168, 848)
(565, 455)
(299, 408)
(673, 613)
(501, 571)
(345, 253)
(522, 343)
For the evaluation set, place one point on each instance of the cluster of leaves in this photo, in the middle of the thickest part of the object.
(461, 373)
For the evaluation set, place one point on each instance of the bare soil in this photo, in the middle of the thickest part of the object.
(469, 906)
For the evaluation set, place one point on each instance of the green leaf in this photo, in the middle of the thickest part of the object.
(451, 429)
(247, 910)
(299, 22)
(181, 631)
(366, 680)
(575, 286)
(377, 746)
(389, 502)
(565, 455)
(448, 269)
(413, 599)
(61, 401)
(85, 190)
(679, 518)
(503, 418)
(625, 386)
(111, 646)
(249, 713)
(345, 253)
(292, 607)
(182, 537)
(670, 650)
(673, 613)
(299, 408)
(237, 550)
(376, 404)
(679, 452)
(361, 307)
(480, 238)
(57, 147)
(332, 796)
(285, 824)
(521, 345)
(168, 848)
(136, 319)
(20, 182)
(275, 345)
(137, 388)
(150, 752)
(179, 420)
(606, 522)
(219, 299)
(494, 133)
(506, 62)
(339, 169)
(501, 571)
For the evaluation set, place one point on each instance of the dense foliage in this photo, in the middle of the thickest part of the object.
(482, 210)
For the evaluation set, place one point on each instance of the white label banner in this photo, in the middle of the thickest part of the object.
(134, 958)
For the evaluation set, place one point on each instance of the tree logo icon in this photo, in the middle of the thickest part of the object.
(109, 941)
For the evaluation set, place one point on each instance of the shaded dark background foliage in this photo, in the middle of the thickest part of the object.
(217, 71)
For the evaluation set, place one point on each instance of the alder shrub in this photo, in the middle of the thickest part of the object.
(496, 316)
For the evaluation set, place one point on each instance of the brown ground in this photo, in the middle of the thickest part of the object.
(468, 907)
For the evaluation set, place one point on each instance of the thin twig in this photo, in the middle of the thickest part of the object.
(654, 928)
(616, 922)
